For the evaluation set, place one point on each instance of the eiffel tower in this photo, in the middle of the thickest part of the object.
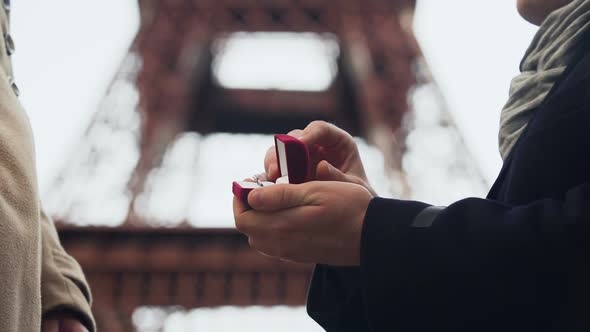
(144, 204)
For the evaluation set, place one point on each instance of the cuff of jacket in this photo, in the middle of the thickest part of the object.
(77, 305)
(63, 285)
(63, 291)
(389, 255)
(334, 299)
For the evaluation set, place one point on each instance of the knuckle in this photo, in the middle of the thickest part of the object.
(294, 132)
(318, 125)
(283, 196)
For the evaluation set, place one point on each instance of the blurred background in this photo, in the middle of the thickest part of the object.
(145, 112)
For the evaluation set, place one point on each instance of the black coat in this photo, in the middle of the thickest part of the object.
(516, 261)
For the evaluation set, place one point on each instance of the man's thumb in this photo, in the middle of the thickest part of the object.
(277, 197)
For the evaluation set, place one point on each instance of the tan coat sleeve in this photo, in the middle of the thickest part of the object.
(63, 285)
(36, 275)
(20, 254)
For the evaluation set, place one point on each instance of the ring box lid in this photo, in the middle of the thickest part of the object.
(293, 159)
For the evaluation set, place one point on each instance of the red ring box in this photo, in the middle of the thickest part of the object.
(293, 160)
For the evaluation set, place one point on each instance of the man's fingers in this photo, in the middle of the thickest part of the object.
(262, 224)
(254, 223)
(324, 134)
(239, 207)
(278, 197)
(326, 172)
(297, 133)
(270, 164)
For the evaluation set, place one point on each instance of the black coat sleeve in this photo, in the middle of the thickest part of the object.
(480, 265)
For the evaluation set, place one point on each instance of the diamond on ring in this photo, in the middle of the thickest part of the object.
(256, 178)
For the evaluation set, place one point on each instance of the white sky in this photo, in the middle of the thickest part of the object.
(473, 49)
(67, 52)
(244, 52)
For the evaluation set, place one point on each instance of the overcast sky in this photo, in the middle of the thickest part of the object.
(67, 52)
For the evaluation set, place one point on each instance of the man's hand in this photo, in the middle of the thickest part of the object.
(313, 222)
(62, 321)
(334, 155)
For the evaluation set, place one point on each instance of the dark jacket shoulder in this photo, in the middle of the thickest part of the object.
(516, 261)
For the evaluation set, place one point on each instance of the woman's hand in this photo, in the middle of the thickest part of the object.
(313, 222)
(62, 321)
(334, 155)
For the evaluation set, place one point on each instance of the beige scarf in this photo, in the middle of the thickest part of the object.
(544, 61)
